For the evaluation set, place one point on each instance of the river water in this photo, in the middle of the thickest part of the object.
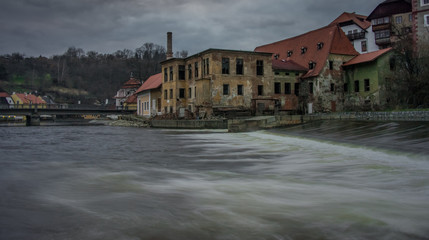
(333, 180)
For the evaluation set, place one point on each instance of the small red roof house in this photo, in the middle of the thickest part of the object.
(366, 80)
(322, 52)
(128, 89)
(149, 96)
(131, 102)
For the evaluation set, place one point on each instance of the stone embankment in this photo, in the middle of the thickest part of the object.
(372, 116)
(128, 121)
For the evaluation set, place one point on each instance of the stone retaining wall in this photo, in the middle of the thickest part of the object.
(190, 124)
(373, 116)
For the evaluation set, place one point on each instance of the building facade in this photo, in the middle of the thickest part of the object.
(24, 100)
(367, 80)
(391, 20)
(126, 91)
(149, 96)
(420, 16)
(322, 51)
(217, 80)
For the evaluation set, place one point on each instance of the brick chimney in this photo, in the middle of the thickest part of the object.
(169, 45)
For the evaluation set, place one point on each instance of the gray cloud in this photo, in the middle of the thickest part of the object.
(48, 27)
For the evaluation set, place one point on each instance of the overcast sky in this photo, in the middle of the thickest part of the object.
(49, 27)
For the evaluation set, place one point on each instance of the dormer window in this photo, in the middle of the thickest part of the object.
(320, 45)
(289, 53)
(276, 56)
(303, 50)
(311, 65)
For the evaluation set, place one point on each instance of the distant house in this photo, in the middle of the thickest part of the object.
(391, 19)
(149, 96)
(24, 100)
(358, 30)
(128, 89)
(322, 52)
(131, 102)
(420, 17)
(367, 79)
(6, 100)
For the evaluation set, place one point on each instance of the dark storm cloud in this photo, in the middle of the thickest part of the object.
(47, 27)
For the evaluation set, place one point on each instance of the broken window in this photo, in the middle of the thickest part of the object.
(207, 66)
(277, 88)
(287, 88)
(357, 86)
(196, 69)
(259, 67)
(331, 65)
(189, 71)
(239, 66)
(366, 85)
(332, 87)
(226, 89)
(319, 45)
(182, 72)
(181, 93)
(311, 65)
(310, 87)
(171, 93)
(346, 87)
(165, 94)
(289, 53)
(260, 90)
(165, 75)
(240, 90)
(303, 50)
(171, 73)
(297, 89)
(225, 65)
(190, 92)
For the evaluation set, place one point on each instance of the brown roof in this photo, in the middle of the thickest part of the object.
(367, 57)
(153, 82)
(288, 65)
(131, 99)
(4, 94)
(346, 17)
(132, 83)
(389, 8)
(332, 39)
(30, 98)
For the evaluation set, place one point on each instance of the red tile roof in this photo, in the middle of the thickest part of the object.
(4, 94)
(153, 82)
(367, 57)
(287, 65)
(30, 98)
(132, 83)
(359, 20)
(332, 37)
(131, 99)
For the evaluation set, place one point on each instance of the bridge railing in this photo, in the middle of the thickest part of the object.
(58, 106)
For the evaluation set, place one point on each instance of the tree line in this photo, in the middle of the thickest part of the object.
(101, 75)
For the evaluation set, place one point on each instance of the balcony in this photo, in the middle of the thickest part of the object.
(383, 41)
(356, 36)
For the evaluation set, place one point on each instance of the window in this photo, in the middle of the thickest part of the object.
(181, 93)
(289, 53)
(171, 93)
(196, 69)
(165, 94)
(303, 50)
(410, 17)
(287, 73)
(320, 45)
(189, 71)
(332, 87)
(346, 87)
(240, 90)
(382, 34)
(424, 2)
(277, 88)
(226, 89)
(366, 85)
(311, 65)
(204, 67)
(380, 21)
(207, 66)
(225, 65)
(165, 109)
(276, 73)
(297, 89)
(426, 20)
(331, 65)
(364, 47)
(239, 66)
(165, 75)
(195, 92)
(182, 72)
(357, 86)
(260, 90)
(259, 67)
(190, 92)
(398, 19)
(287, 88)
(171, 73)
(310, 87)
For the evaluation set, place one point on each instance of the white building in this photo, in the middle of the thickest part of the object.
(128, 89)
(358, 30)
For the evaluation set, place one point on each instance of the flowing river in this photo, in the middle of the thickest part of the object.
(330, 180)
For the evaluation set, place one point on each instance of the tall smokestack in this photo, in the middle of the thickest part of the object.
(169, 45)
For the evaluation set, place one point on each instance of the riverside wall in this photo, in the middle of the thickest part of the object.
(190, 124)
